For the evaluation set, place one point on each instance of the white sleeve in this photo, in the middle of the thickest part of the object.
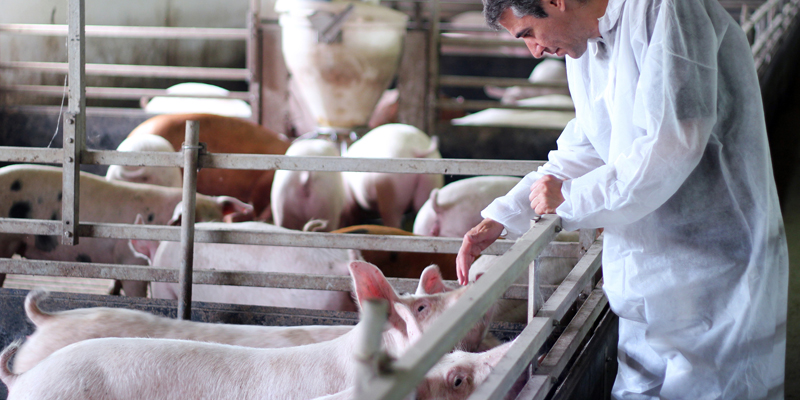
(575, 156)
(674, 112)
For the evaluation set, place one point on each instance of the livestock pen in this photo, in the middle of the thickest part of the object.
(573, 328)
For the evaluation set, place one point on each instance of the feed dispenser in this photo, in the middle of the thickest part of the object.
(343, 56)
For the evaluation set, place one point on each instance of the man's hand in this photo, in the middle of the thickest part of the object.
(546, 195)
(475, 241)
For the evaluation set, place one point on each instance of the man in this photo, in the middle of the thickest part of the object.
(668, 153)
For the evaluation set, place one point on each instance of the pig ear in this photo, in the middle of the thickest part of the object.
(493, 356)
(143, 248)
(431, 281)
(370, 283)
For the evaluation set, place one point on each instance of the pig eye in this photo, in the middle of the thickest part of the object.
(457, 382)
(420, 308)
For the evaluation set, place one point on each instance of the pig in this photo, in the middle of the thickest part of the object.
(162, 176)
(225, 135)
(34, 191)
(391, 195)
(242, 257)
(128, 368)
(300, 196)
(57, 330)
(401, 264)
(454, 209)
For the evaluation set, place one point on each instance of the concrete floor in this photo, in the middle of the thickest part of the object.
(791, 219)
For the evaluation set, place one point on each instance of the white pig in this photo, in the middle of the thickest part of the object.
(60, 329)
(34, 191)
(454, 209)
(135, 368)
(300, 196)
(162, 176)
(390, 194)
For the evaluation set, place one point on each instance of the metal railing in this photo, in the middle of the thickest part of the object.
(250, 73)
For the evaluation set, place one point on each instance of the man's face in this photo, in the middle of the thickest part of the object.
(561, 33)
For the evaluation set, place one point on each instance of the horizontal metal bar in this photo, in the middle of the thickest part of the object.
(141, 71)
(558, 304)
(454, 104)
(518, 357)
(450, 166)
(480, 81)
(450, 327)
(210, 277)
(115, 93)
(479, 42)
(133, 32)
(31, 155)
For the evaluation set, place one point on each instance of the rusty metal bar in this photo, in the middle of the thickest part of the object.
(131, 32)
(116, 93)
(191, 148)
(374, 314)
(139, 71)
(450, 327)
(452, 166)
(31, 155)
(277, 280)
(74, 123)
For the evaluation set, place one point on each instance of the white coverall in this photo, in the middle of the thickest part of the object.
(668, 152)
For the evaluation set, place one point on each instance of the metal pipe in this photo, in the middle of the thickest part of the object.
(191, 148)
(453, 104)
(276, 280)
(451, 166)
(481, 81)
(116, 93)
(139, 71)
(368, 353)
(131, 32)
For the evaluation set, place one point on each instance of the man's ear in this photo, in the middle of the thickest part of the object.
(560, 5)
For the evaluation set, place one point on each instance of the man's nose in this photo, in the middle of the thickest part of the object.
(535, 49)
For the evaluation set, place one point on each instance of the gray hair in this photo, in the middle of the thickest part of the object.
(494, 9)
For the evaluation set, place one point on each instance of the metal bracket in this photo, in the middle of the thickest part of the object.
(329, 25)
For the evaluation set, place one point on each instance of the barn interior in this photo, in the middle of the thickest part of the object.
(445, 73)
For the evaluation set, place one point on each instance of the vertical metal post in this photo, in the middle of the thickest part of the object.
(373, 317)
(433, 69)
(744, 14)
(74, 122)
(254, 59)
(191, 150)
